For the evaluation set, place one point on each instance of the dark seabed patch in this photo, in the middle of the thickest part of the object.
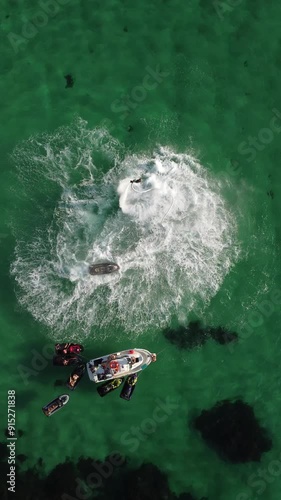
(195, 335)
(233, 431)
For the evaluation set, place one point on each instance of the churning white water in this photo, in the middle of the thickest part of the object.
(171, 234)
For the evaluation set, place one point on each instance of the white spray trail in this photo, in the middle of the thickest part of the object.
(171, 235)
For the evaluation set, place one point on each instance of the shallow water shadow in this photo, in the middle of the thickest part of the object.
(195, 335)
(147, 482)
(232, 430)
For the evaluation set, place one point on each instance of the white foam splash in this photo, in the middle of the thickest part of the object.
(171, 235)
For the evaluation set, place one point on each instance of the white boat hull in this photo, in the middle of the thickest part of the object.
(117, 365)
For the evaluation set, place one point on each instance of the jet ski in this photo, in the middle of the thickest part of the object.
(104, 268)
(55, 405)
(68, 348)
(76, 376)
(110, 386)
(66, 360)
(129, 387)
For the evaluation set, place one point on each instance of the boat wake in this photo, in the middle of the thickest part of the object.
(171, 234)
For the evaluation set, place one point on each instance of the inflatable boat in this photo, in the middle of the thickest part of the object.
(55, 405)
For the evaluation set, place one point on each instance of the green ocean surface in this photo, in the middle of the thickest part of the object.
(193, 88)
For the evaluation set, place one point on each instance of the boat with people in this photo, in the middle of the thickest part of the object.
(103, 268)
(119, 364)
(55, 405)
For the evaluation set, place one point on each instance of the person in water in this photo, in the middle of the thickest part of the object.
(135, 180)
(153, 357)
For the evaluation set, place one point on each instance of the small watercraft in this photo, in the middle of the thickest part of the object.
(129, 387)
(66, 360)
(76, 376)
(110, 386)
(119, 364)
(68, 348)
(104, 268)
(55, 405)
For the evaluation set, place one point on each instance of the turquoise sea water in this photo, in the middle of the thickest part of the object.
(187, 96)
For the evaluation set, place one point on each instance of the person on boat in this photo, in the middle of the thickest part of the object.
(61, 348)
(52, 408)
(135, 180)
(110, 358)
(70, 360)
(75, 348)
(73, 379)
(68, 348)
(65, 350)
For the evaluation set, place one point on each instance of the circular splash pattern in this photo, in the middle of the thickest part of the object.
(171, 234)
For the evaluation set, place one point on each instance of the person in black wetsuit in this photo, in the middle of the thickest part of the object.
(136, 181)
